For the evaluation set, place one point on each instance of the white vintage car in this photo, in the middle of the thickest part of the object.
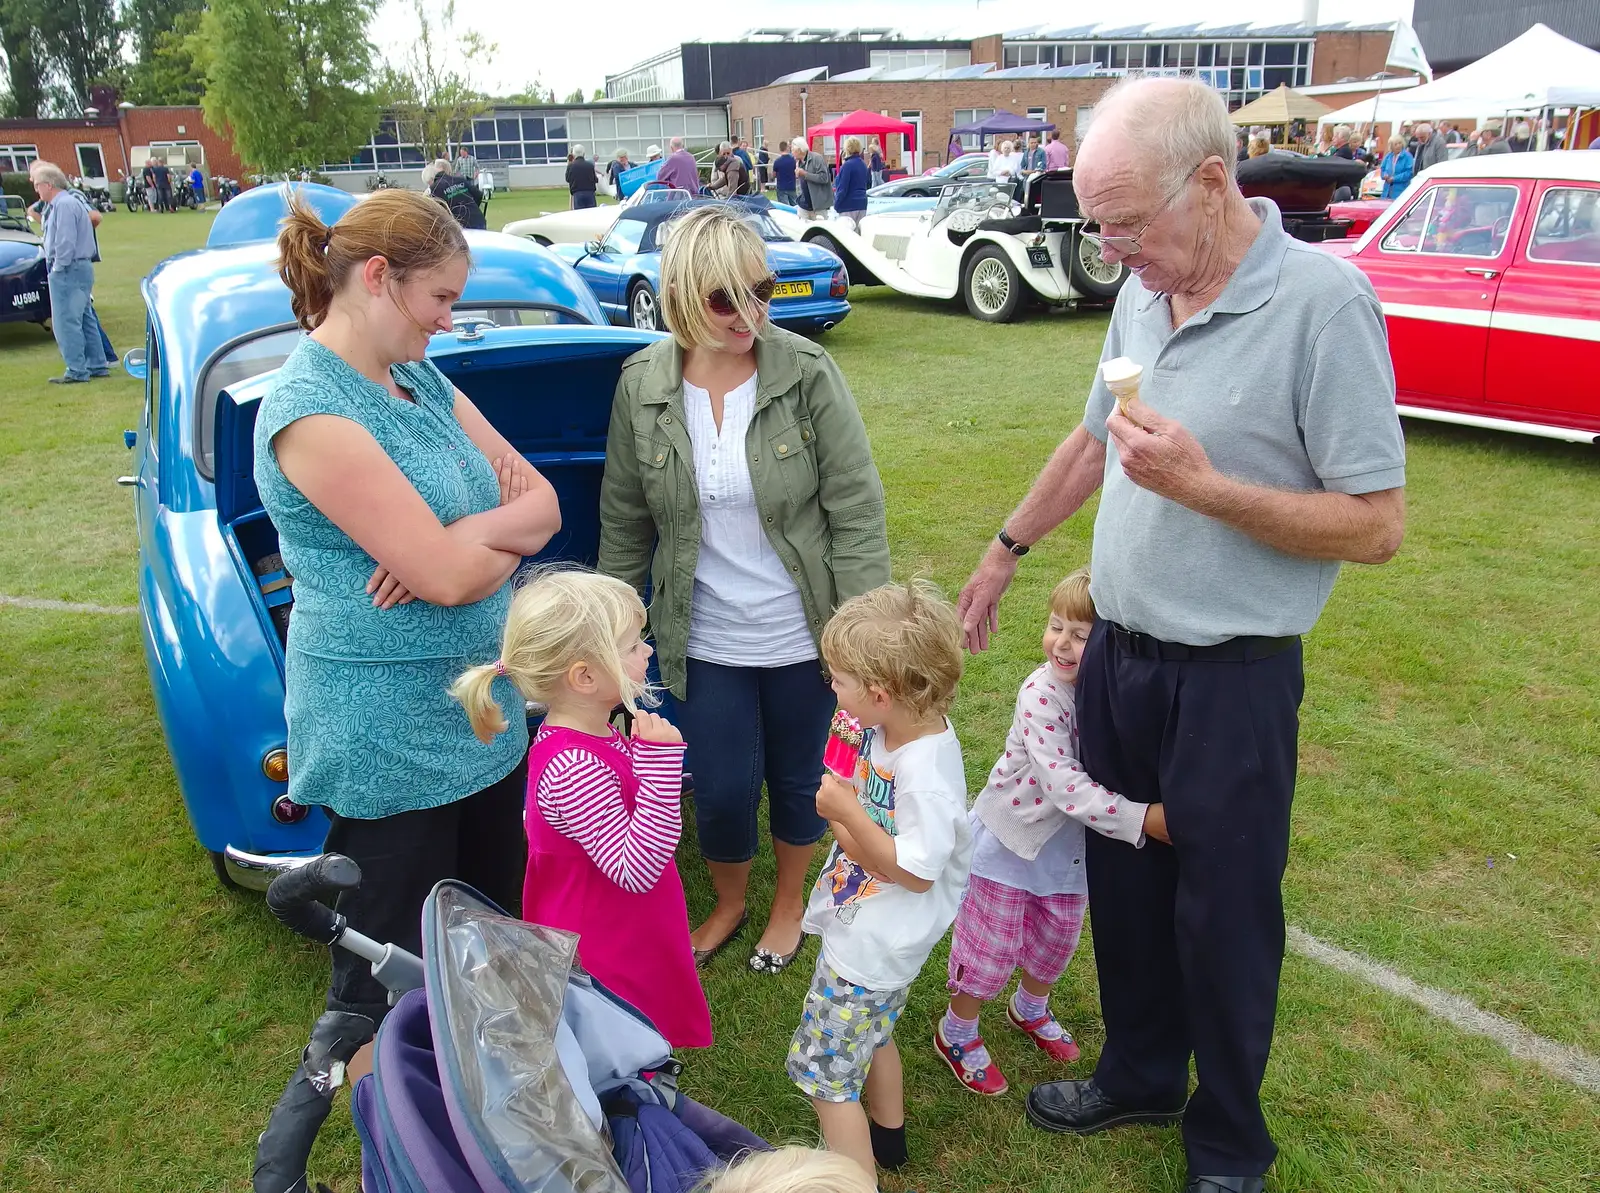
(980, 244)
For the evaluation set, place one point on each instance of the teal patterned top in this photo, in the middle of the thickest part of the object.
(372, 728)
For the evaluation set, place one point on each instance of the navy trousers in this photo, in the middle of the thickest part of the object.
(1188, 938)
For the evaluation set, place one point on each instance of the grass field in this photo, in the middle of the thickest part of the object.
(1448, 821)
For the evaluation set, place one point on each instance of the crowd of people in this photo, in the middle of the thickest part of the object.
(740, 491)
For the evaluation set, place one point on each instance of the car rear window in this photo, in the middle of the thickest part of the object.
(260, 354)
(1568, 227)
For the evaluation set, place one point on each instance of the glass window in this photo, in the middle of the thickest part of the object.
(650, 125)
(1273, 76)
(1303, 54)
(1013, 57)
(1280, 54)
(1456, 221)
(239, 363)
(482, 130)
(17, 158)
(671, 124)
(1255, 54)
(1152, 55)
(1119, 57)
(1207, 53)
(388, 156)
(555, 128)
(1186, 55)
(604, 126)
(694, 124)
(533, 128)
(508, 129)
(410, 155)
(484, 153)
(1568, 227)
(152, 392)
(625, 236)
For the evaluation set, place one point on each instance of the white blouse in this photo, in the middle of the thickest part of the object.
(747, 610)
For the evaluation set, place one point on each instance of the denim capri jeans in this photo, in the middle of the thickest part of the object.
(749, 726)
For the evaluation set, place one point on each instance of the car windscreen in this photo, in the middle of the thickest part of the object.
(759, 220)
(267, 350)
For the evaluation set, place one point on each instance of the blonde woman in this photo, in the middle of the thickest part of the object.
(740, 487)
(850, 186)
(1004, 162)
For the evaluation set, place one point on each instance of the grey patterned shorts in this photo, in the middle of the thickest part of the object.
(841, 1026)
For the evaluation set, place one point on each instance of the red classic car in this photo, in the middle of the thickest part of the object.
(1361, 213)
(1488, 269)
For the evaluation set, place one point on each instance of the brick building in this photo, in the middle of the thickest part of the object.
(111, 146)
(781, 112)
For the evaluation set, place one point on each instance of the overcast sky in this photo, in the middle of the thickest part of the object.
(576, 43)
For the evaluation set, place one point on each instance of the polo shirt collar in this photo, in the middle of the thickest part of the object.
(1256, 279)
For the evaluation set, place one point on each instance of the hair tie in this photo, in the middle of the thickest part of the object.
(499, 667)
(326, 237)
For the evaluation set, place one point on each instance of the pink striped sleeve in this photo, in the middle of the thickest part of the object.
(581, 798)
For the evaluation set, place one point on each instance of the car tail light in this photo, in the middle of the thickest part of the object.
(275, 764)
(286, 811)
(840, 285)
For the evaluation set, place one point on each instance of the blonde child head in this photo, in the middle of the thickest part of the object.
(904, 639)
(561, 618)
(1070, 600)
(791, 1170)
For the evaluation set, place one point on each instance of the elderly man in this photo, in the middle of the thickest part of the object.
(1341, 143)
(1430, 148)
(69, 254)
(679, 170)
(1231, 490)
(815, 178)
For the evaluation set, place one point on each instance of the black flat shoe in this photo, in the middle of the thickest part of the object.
(1226, 1184)
(1081, 1108)
(702, 957)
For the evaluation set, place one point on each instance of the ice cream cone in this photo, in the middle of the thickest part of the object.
(1122, 377)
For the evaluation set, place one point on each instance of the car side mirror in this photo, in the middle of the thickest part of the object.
(136, 364)
(593, 248)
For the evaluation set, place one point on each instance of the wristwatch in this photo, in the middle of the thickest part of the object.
(1011, 544)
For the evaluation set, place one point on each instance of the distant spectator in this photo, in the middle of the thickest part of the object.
(818, 182)
(1056, 154)
(729, 175)
(652, 154)
(148, 177)
(1341, 143)
(69, 253)
(582, 181)
(679, 171)
(741, 150)
(763, 167)
(850, 187)
(1258, 146)
(783, 167)
(1396, 168)
(163, 182)
(874, 157)
(955, 149)
(1004, 162)
(1033, 157)
(461, 195)
(614, 168)
(1451, 134)
(1489, 141)
(1430, 149)
(466, 164)
(1521, 138)
(197, 183)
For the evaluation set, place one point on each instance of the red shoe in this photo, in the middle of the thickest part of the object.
(1061, 1048)
(988, 1081)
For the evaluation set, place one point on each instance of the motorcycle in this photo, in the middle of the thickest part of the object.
(134, 194)
(227, 188)
(183, 196)
(99, 197)
(380, 182)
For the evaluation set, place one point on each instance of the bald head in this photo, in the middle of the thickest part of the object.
(1161, 128)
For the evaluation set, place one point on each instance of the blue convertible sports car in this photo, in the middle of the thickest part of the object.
(530, 347)
(624, 269)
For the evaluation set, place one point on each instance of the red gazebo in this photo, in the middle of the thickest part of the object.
(862, 123)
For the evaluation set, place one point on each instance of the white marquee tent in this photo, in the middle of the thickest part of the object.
(1540, 69)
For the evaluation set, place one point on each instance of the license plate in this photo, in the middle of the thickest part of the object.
(26, 298)
(792, 290)
(1039, 256)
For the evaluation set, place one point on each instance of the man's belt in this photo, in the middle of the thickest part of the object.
(1244, 649)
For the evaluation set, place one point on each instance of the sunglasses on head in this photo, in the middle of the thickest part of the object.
(721, 303)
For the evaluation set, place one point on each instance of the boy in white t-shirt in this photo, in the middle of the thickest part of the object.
(894, 878)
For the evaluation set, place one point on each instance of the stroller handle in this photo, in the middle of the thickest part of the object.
(295, 897)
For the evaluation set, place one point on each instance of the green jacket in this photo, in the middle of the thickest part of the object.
(817, 489)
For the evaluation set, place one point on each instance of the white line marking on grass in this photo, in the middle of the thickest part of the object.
(64, 606)
(1559, 1060)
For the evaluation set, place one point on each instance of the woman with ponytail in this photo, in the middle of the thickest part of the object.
(604, 812)
(402, 515)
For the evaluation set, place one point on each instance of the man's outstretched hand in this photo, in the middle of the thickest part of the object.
(979, 605)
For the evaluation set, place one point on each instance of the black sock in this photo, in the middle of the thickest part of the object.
(888, 1145)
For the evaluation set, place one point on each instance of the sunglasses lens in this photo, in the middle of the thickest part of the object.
(720, 303)
(763, 290)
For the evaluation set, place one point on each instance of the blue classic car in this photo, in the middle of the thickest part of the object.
(530, 347)
(24, 281)
(624, 269)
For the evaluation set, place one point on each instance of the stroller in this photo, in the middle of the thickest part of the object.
(502, 1068)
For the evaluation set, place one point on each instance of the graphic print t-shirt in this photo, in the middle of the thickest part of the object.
(875, 932)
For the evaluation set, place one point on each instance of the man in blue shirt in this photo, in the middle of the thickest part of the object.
(783, 173)
(69, 255)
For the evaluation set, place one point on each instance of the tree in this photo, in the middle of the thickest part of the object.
(431, 92)
(285, 78)
(576, 97)
(534, 93)
(599, 94)
(164, 70)
(20, 42)
(82, 41)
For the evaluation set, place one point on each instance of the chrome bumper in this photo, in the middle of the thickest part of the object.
(255, 871)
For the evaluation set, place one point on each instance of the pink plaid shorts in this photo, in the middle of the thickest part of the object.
(1000, 927)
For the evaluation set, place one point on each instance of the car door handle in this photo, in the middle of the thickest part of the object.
(136, 481)
(1483, 273)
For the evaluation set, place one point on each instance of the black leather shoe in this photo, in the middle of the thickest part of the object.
(1081, 1108)
(1226, 1184)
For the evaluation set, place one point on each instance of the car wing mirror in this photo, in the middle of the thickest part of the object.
(593, 248)
(135, 363)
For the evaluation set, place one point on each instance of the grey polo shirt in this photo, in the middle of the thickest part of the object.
(1286, 382)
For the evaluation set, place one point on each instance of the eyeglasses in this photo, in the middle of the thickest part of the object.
(721, 303)
(1129, 246)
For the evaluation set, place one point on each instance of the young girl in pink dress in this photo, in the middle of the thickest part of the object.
(604, 811)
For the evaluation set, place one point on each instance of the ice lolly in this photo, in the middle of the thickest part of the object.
(1121, 376)
(844, 745)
